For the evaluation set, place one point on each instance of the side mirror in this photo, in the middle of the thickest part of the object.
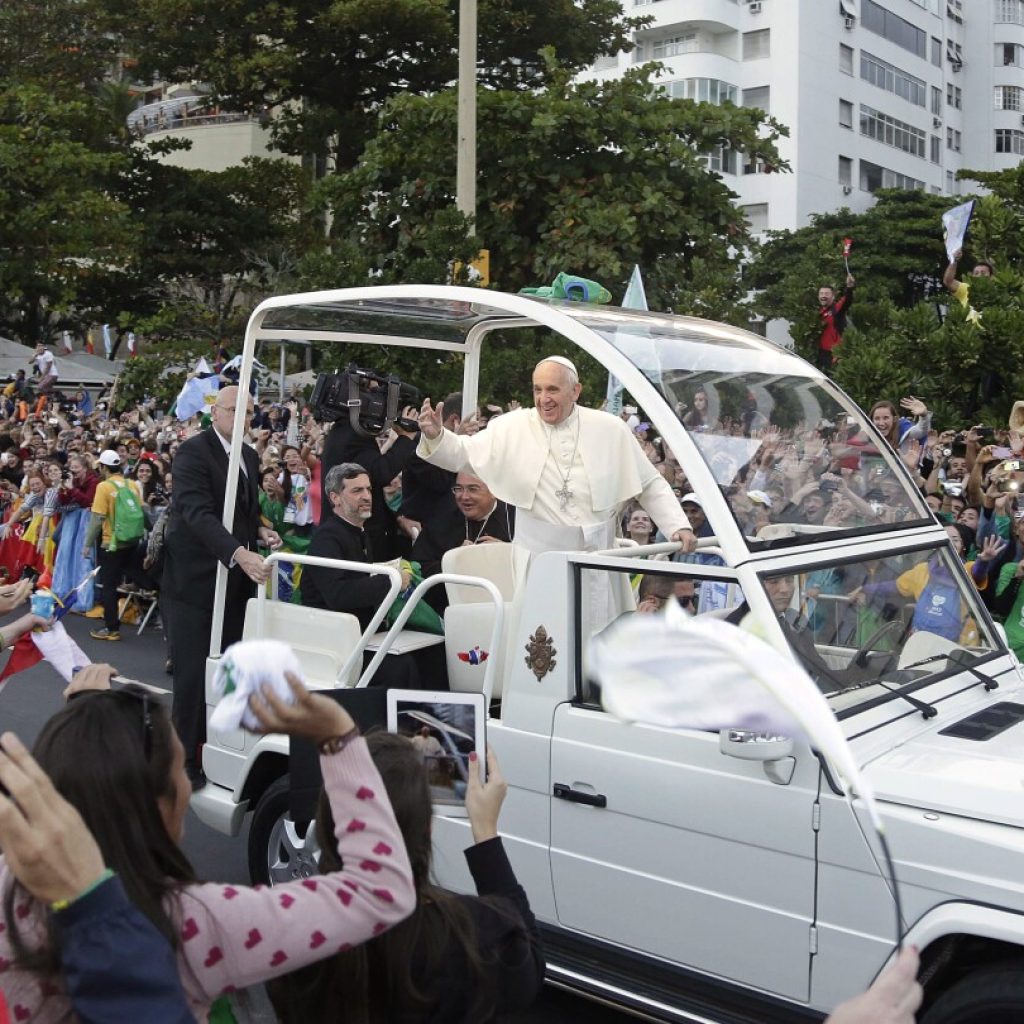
(748, 745)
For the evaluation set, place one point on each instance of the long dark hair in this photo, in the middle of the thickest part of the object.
(374, 983)
(109, 753)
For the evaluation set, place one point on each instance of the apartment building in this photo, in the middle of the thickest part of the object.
(875, 93)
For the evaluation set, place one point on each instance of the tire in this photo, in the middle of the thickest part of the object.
(991, 996)
(279, 849)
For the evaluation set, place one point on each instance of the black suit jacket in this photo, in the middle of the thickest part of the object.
(196, 540)
(343, 590)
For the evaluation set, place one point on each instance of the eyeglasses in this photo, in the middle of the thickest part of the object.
(687, 602)
(472, 490)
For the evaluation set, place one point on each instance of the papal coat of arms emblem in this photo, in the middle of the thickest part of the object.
(540, 653)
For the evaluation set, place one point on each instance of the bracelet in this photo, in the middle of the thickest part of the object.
(336, 744)
(58, 905)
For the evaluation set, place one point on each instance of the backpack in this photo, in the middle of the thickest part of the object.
(129, 522)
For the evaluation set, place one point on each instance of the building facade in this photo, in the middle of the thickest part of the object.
(875, 93)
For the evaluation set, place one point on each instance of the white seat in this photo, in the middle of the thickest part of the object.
(322, 640)
(469, 617)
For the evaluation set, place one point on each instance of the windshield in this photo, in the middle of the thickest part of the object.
(867, 630)
(794, 457)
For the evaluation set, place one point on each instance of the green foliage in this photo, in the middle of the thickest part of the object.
(330, 64)
(583, 177)
(59, 224)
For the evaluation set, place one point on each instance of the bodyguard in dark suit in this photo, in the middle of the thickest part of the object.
(195, 542)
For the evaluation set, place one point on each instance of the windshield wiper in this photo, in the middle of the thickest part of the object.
(927, 710)
(960, 658)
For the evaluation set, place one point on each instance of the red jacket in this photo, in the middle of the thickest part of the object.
(833, 320)
(83, 495)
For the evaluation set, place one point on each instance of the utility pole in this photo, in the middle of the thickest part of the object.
(465, 164)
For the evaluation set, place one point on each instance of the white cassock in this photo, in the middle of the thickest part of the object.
(568, 482)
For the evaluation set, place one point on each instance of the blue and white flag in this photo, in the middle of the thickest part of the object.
(635, 298)
(955, 223)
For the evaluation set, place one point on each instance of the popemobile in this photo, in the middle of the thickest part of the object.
(686, 874)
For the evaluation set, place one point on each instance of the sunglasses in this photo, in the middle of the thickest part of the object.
(687, 602)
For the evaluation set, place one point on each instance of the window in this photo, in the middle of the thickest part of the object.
(1009, 97)
(950, 183)
(892, 79)
(754, 166)
(845, 170)
(936, 147)
(891, 132)
(1010, 140)
(704, 90)
(953, 140)
(937, 52)
(955, 10)
(757, 44)
(954, 96)
(884, 23)
(936, 101)
(1010, 12)
(846, 113)
(759, 97)
(873, 177)
(954, 54)
(674, 45)
(722, 159)
(757, 216)
(1009, 55)
(846, 59)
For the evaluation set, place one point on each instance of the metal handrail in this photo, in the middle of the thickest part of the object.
(410, 606)
(336, 563)
(669, 547)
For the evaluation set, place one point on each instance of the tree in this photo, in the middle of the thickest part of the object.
(907, 335)
(585, 177)
(328, 66)
(897, 256)
(59, 224)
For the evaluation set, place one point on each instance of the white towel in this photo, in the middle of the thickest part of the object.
(244, 668)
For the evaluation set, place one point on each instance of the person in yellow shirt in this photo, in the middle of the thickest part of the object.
(119, 555)
(961, 290)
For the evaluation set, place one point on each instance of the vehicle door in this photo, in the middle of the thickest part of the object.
(663, 844)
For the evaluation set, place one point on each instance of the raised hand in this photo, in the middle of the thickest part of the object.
(312, 716)
(914, 406)
(431, 419)
(484, 799)
(992, 548)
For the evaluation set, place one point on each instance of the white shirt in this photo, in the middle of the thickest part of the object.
(46, 364)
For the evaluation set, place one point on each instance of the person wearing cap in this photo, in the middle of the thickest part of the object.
(114, 564)
(567, 470)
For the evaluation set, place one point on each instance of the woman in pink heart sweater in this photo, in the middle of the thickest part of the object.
(115, 756)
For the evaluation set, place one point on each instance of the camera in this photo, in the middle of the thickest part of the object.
(371, 401)
(954, 489)
(983, 432)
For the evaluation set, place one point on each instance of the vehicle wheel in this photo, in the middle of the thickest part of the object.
(993, 996)
(280, 850)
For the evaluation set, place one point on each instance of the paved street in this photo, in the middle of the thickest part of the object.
(32, 696)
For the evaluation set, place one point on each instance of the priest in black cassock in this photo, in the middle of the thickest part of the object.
(478, 518)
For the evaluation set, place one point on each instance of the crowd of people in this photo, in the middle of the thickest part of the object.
(140, 495)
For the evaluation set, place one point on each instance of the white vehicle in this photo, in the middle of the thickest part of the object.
(681, 874)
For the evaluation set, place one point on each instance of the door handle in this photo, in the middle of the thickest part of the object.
(564, 792)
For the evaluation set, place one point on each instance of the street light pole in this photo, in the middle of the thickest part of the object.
(465, 163)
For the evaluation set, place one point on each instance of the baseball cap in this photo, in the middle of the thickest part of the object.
(110, 458)
(691, 499)
(760, 498)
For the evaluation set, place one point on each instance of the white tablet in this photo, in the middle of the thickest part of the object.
(445, 728)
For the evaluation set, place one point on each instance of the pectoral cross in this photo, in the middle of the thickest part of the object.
(564, 495)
